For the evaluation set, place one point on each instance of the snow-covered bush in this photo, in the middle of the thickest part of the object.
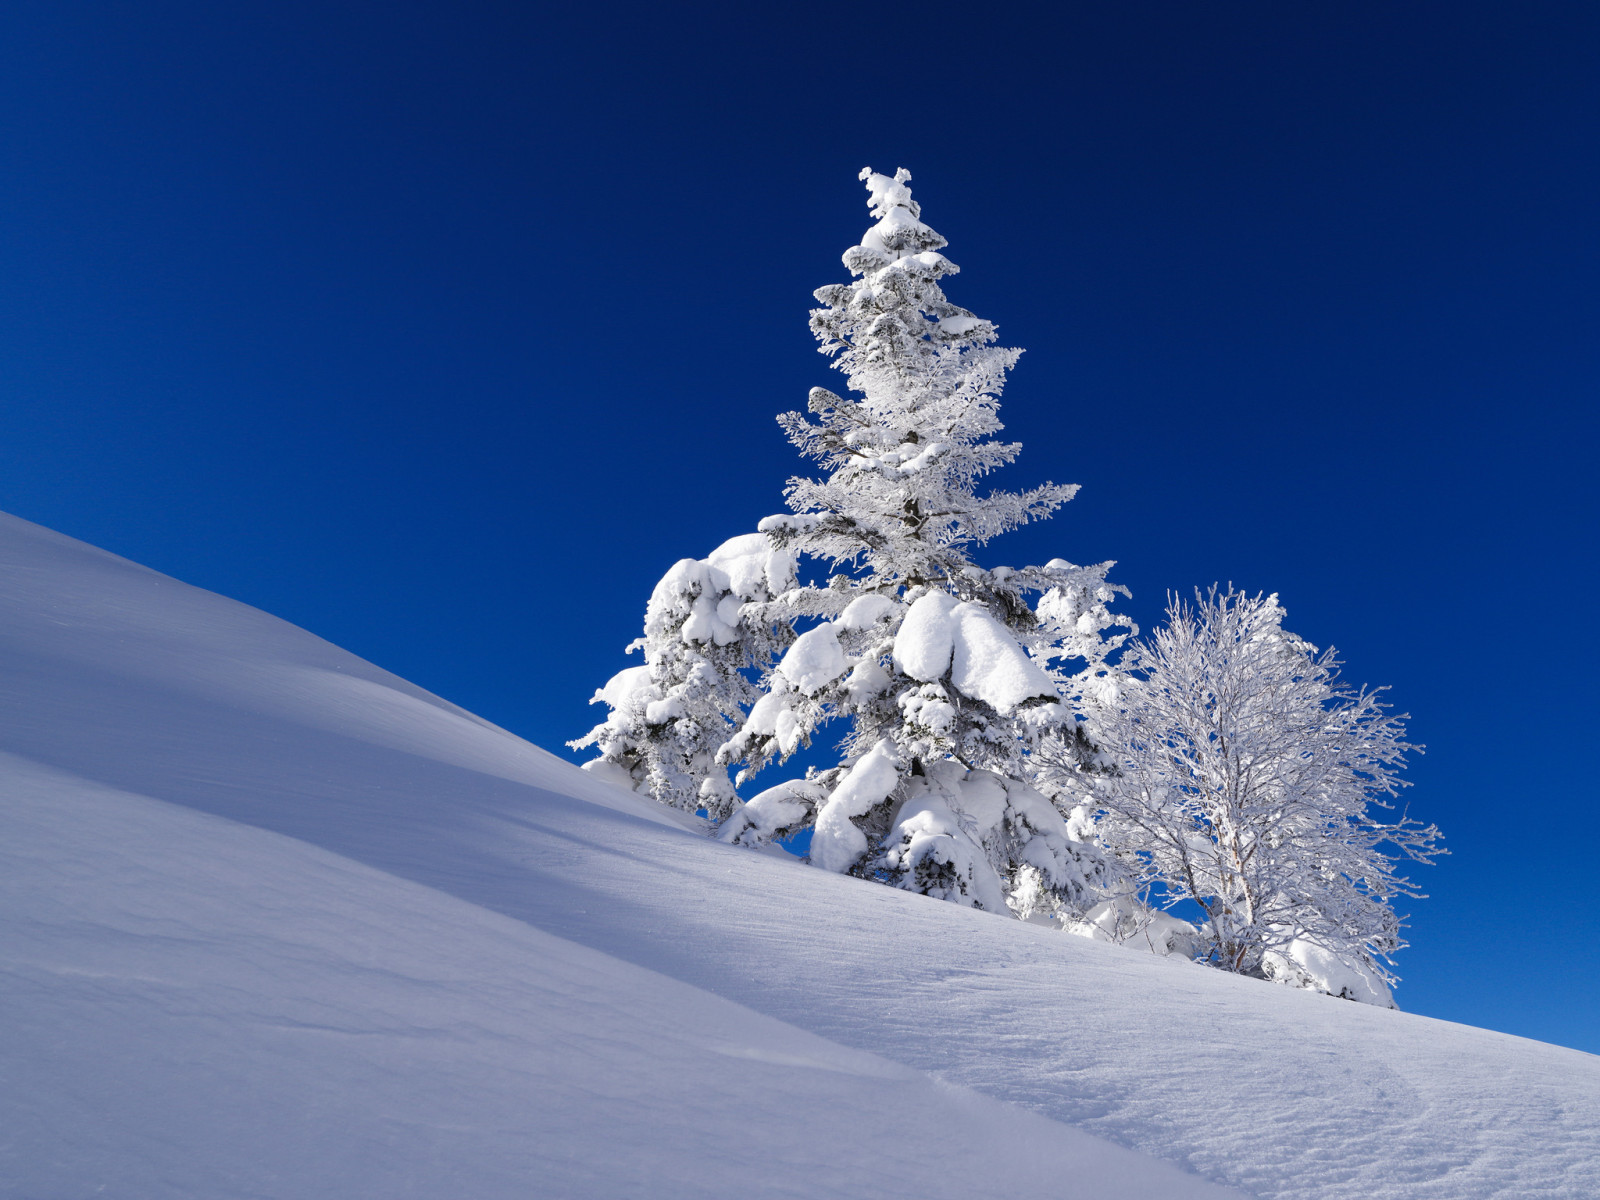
(669, 716)
(1242, 775)
(943, 674)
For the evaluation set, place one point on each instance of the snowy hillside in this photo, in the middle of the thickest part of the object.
(278, 924)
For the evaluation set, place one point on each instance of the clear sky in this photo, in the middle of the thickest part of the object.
(443, 330)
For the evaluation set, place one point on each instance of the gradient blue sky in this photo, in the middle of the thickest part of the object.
(443, 330)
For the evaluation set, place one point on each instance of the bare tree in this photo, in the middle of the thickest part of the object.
(1241, 774)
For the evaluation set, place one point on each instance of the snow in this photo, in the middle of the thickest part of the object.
(928, 836)
(989, 665)
(1304, 963)
(753, 566)
(741, 569)
(836, 844)
(773, 714)
(772, 813)
(960, 325)
(866, 611)
(1126, 921)
(200, 1008)
(658, 712)
(623, 687)
(984, 660)
(926, 640)
(278, 924)
(953, 825)
(887, 192)
(815, 660)
(711, 618)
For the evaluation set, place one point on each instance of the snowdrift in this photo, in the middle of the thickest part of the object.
(279, 924)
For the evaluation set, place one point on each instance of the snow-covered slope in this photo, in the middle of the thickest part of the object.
(276, 923)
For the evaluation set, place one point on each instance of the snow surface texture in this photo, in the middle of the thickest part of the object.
(278, 924)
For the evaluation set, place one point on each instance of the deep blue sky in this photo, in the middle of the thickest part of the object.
(443, 330)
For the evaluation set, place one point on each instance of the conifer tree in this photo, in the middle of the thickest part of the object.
(669, 716)
(941, 669)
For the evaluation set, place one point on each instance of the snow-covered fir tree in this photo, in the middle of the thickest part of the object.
(944, 675)
(1243, 776)
(669, 716)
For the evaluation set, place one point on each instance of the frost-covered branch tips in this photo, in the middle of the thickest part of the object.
(1245, 778)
